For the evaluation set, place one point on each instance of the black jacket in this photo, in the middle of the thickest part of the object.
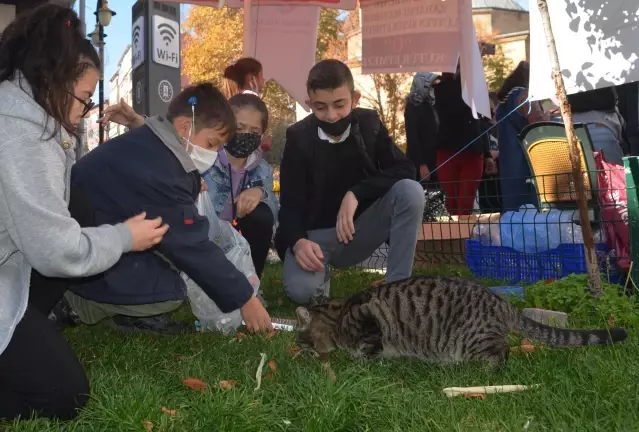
(304, 164)
(138, 172)
(421, 125)
(457, 126)
(629, 108)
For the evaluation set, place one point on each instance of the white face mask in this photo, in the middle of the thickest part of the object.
(202, 158)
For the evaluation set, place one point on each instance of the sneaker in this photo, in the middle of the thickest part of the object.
(161, 324)
(64, 315)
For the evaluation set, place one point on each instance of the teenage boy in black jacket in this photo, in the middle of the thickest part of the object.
(156, 168)
(345, 189)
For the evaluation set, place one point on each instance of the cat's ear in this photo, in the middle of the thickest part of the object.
(303, 318)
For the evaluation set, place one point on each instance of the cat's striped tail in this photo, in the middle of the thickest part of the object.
(566, 338)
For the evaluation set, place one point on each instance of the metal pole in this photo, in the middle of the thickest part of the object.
(594, 275)
(82, 129)
(101, 83)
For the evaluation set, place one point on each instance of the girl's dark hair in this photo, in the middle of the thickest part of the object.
(235, 75)
(245, 100)
(517, 78)
(46, 46)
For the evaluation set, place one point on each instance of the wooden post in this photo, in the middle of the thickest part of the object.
(594, 276)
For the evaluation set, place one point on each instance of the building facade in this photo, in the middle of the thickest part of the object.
(121, 87)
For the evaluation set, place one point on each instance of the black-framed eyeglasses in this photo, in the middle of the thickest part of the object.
(88, 105)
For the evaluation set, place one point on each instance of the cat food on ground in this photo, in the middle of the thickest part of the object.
(436, 319)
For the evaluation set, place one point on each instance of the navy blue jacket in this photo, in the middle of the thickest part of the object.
(138, 172)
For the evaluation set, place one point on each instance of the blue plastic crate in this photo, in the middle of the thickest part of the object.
(503, 263)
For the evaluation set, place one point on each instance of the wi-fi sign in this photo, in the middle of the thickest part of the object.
(136, 35)
(167, 32)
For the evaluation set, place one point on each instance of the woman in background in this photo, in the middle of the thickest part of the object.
(243, 76)
(460, 176)
(514, 170)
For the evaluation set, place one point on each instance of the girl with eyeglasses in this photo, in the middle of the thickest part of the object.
(48, 73)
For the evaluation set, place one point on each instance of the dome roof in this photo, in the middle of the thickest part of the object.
(498, 4)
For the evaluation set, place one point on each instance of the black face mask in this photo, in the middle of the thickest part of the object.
(243, 144)
(335, 129)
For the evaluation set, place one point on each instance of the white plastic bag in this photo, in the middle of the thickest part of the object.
(238, 251)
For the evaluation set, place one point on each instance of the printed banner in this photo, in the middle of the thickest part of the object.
(597, 44)
(410, 36)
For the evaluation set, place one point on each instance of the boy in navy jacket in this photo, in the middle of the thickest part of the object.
(154, 168)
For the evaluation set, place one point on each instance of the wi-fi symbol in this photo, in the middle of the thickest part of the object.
(167, 32)
(136, 35)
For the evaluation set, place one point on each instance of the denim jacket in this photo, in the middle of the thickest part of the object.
(258, 174)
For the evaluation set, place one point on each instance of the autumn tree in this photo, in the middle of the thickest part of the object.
(497, 67)
(388, 98)
(213, 40)
(496, 64)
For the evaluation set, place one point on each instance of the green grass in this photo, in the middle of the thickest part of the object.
(134, 376)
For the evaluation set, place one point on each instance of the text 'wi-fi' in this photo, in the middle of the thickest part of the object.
(167, 32)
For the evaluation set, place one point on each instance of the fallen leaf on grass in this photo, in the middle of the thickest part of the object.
(280, 301)
(271, 334)
(148, 426)
(196, 384)
(523, 349)
(272, 365)
(377, 283)
(228, 384)
(294, 351)
(612, 323)
(329, 372)
(480, 396)
(276, 281)
(179, 356)
(169, 412)
(239, 335)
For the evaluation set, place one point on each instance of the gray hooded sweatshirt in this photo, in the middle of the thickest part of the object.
(36, 229)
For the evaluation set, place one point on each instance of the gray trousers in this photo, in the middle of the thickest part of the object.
(397, 215)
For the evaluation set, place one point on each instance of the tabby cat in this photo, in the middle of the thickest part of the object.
(436, 319)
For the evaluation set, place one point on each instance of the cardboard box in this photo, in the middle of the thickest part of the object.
(443, 243)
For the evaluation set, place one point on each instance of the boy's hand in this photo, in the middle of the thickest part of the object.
(255, 317)
(248, 200)
(345, 224)
(309, 255)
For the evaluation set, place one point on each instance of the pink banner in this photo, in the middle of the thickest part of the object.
(337, 4)
(410, 36)
(295, 28)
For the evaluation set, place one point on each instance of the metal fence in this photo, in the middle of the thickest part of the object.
(479, 226)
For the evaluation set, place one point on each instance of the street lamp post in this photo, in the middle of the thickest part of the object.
(103, 17)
